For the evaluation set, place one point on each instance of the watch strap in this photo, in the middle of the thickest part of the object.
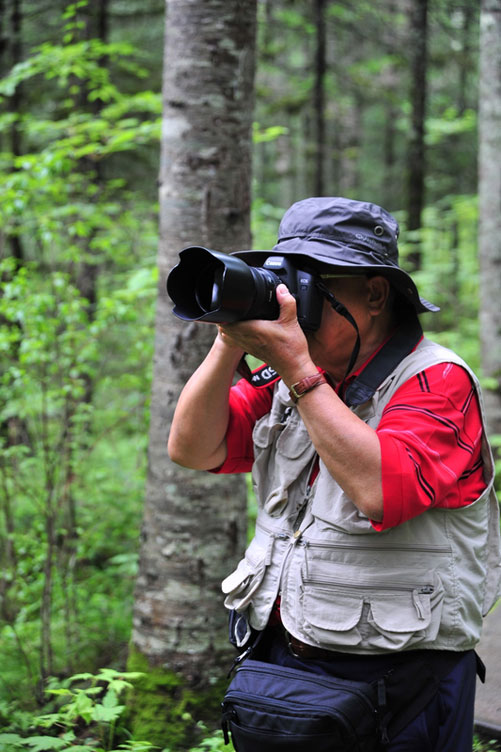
(300, 388)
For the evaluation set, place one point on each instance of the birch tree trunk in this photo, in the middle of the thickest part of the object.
(418, 43)
(489, 194)
(195, 523)
(319, 96)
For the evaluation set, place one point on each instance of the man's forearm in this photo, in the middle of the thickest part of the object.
(349, 448)
(197, 435)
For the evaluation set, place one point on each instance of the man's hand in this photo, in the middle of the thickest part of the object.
(280, 343)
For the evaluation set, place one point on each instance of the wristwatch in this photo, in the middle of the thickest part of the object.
(300, 388)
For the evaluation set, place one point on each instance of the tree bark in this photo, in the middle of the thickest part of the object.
(465, 60)
(319, 96)
(15, 107)
(195, 523)
(418, 43)
(489, 195)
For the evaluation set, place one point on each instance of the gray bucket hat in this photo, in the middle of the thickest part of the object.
(342, 234)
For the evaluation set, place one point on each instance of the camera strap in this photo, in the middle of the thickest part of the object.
(343, 311)
(261, 377)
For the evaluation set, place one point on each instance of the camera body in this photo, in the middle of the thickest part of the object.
(211, 286)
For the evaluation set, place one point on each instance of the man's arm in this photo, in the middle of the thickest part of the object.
(197, 435)
(349, 448)
(431, 445)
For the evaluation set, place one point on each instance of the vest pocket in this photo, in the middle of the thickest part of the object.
(371, 612)
(240, 586)
(283, 456)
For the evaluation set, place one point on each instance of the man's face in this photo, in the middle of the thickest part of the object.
(332, 344)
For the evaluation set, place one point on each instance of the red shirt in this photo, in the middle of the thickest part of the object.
(430, 436)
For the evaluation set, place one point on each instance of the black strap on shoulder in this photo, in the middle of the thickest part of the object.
(398, 347)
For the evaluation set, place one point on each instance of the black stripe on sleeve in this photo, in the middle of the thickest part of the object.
(467, 402)
(438, 418)
(471, 470)
(423, 381)
(427, 488)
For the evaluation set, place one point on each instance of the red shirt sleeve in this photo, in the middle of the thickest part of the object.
(430, 435)
(247, 405)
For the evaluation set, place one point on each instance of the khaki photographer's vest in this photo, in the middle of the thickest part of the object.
(424, 584)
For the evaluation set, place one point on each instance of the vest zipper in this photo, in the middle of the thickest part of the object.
(302, 511)
(424, 549)
(423, 589)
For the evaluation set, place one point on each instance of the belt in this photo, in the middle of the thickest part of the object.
(303, 650)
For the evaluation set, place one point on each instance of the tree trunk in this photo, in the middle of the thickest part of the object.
(95, 25)
(489, 195)
(319, 96)
(418, 43)
(391, 187)
(195, 523)
(15, 108)
(465, 61)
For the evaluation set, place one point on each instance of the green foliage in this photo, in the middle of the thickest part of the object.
(87, 714)
(148, 713)
(451, 123)
(481, 744)
(214, 743)
(73, 421)
(166, 710)
(266, 135)
(449, 272)
(54, 195)
(86, 718)
(67, 469)
(76, 317)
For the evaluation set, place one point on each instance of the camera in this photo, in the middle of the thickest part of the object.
(211, 286)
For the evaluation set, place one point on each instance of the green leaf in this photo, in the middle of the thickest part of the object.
(107, 715)
(110, 700)
(265, 135)
(44, 743)
(81, 677)
(48, 720)
(10, 741)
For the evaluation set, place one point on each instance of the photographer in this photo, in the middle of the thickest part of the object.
(376, 550)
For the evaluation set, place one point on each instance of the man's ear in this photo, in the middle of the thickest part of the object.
(378, 294)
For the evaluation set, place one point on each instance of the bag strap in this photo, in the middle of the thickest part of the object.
(401, 700)
(405, 699)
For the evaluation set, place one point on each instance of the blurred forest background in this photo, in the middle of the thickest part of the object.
(376, 101)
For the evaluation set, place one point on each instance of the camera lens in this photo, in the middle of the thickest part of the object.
(208, 288)
(264, 304)
(211, 286)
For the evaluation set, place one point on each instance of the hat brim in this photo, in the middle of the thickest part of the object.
(332, 255)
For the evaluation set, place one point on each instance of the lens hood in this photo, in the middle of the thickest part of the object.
(211, 286)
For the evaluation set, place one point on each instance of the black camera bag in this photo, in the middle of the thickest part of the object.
(269, 707)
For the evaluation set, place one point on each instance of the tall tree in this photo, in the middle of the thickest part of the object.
(194, 524)
(489, 195)
(416, 149)
(15, 105)
(319, 95)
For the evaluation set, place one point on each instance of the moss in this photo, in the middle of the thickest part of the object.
(164, 710)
